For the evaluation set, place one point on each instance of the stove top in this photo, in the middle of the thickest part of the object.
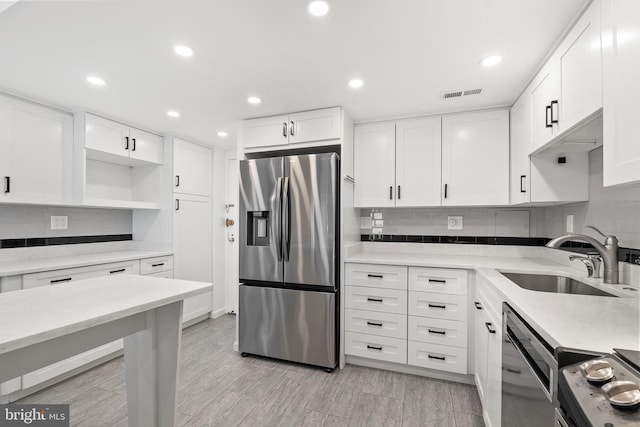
(587, 403)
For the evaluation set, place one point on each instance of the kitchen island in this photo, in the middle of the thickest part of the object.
(47, 324)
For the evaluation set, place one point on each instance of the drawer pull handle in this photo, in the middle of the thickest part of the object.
(437, 306)
(374, 299)
(160, 264)
(489, 327)
(437, 281)
(478, 305)
(375, 276)
(379, 324)
(513, 371)
(120, 270)
(374, 347)
(434, 331)
(436, 357)
(67, 279)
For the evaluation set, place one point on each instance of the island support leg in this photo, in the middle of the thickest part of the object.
(152, 357)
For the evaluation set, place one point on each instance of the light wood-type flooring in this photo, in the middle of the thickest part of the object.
(218, 387)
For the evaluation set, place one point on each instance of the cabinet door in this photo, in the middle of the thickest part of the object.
(315, 125)
(621, 85)
(374, 150)
(475, 158)
(192, 168)
(519, 152)
(106, 136)
(145, 146)
(192, 249)
(494, 370)
(266, 131)
(544, 90)
(480, 351)
(37, 150)
(418, 162)
(581, 70)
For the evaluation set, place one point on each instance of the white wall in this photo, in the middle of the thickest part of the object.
(218, 197)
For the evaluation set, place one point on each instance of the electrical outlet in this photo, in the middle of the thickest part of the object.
(365, 222)
(569, 223)
(377, 215)
(378, 223)
(454, 222)
(59, 222)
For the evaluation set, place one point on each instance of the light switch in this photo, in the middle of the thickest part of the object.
(378, 223)
(454, 222)
(59, 222)
(569, 223)
(377, 215)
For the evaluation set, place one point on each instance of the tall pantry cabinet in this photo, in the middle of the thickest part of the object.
(192, 222)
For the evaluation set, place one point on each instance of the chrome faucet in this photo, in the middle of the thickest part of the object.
(608, 251)
(592, 261)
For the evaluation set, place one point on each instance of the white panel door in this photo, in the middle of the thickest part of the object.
(36, 149)
(192, 249)
(581, 70)
(374, 149)
(265, 132)
(231, 252)
(106, 136)
(520, 145)
(192, 168)
(475, 158)
(146, 146)
(317, 125)
(544, 90)
(621, 86)
(418, 162)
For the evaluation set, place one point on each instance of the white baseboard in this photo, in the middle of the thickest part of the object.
(217, 313)
(236, 346)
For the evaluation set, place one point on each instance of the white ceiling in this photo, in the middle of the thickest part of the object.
(408, 52)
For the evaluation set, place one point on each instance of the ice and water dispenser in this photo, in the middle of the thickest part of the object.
(258, 228)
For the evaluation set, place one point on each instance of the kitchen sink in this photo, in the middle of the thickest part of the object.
(556, 284)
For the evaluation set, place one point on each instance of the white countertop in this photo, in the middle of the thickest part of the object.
(567, 320)
(24, 266)
(47, 312)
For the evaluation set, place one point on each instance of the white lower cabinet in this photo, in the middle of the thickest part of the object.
(440, 357)
(376, 323)
(377, 299)
(438, 331)
(376, 347)
(440, 306)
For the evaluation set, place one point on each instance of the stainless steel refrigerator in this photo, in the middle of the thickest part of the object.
(288, 258)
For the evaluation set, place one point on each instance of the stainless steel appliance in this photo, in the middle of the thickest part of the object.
(288, 258)
(529, 375)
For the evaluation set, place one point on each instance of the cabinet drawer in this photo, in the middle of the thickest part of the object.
(438, 331)
(440, 357)
(155, 265)
(378, 276)
(34, 280)
(375, 299)
(376, 323)
(376, 347)
(440, 306)
(441, 280)
(165, 274)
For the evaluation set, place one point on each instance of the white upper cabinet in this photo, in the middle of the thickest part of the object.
(621, 86)
(520, 123)
(109, 141)
(306, 126)
(567, 91)
(374, 164)
(475, 158)
(192, 165)
(418, 162)
(36, 153)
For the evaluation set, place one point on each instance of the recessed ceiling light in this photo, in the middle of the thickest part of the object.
(318, 8)
(356, 83)
(173, 113)
(95, 80)
(222, 134)
(183, 50)
(490, 61)
(254, 100)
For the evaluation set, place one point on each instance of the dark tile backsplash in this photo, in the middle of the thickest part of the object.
(67, 240)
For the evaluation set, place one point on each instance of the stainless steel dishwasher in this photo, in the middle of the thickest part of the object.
(529, 375)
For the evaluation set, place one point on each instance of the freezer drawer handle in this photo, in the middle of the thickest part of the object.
(478, 305)
(160, 264)
(434, 331)
(437, 306)
(437, 281)
(120, 270)
(379, 324)
(375, 276)
(67, 279)
(374, 299)
(436, 357)
(374, 347)
(490, 327)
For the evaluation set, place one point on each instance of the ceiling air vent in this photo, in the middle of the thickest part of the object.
(461, 93)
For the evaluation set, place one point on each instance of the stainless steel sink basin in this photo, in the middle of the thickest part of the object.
(557, 284)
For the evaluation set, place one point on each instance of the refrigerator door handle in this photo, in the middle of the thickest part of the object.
(279, 205)
(285, 221)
